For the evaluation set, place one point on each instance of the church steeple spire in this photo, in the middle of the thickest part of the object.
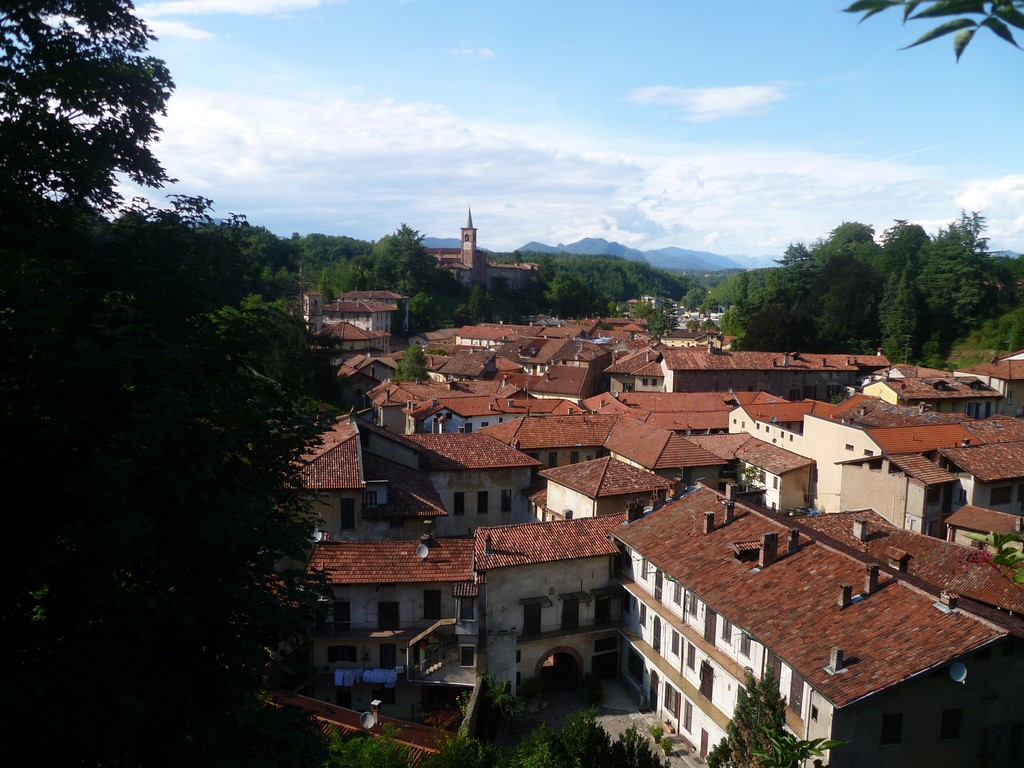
(469, 218)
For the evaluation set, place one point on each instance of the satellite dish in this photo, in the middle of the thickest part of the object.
(422, 551)
(367, 720)
(958, 672)
(318, 535)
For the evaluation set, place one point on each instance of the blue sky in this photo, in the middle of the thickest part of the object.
(735, 127)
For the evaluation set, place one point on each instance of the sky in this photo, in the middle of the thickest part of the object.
(736, 128)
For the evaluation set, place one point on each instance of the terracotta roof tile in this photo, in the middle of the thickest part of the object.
(948, 566)
(941, 388)
(441, 452)
(918, 439)
(988, 463)
(770, 457)
(531, 543)
(345, 331)
(359, 306)
(791, 605)
(606, 477)
(656, 448)
(410, 493)
(921, 468)
(1001, 368)
(984, 520)
(686, 359)
(333, 464)
(588, 430)
(375, 562)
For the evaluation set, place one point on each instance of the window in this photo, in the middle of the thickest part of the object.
(950, 728)
(643, 614)
(635, 666)
(506, 500)
(675, 642)
(369, 498)
(691, 656)
(688, 716)
(726, 630)
(691, 603)
(814, 713)
(388, 655)
(467, 609)
(707, 680)
(796, 694)
(459, 503)
(347, 516)
(531, 619)
(468, 428)
(745, 644)
(602, 608)
(481, 502)
(849, 448)
(485, 424)
(552, 460)
(710, 618)
(570, 613)
(432, 604)
(574, 457)
(1000, 495)
(892, 726)
(677, 593)
(671, 699)
(933, 495)
(606, 644)
(341, 653)
(467, 656)
(387, 615)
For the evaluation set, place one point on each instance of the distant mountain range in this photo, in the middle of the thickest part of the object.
(665, 258)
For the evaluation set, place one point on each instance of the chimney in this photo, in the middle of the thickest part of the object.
(878, 351)
(375, 708)
(948, 599)
(730, 501)
(567, 514)
(427, 537)
(769, 548)
(711, 347)
(845, 595)
(487, 545)
(709, 522)
(490, 406)
(871, 579)
(836, 662)
(860, 530)
(794, 541)
(634, 511)
(785, 360)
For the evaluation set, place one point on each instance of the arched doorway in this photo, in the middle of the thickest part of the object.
(560, 670)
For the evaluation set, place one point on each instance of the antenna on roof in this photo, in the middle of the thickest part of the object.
(367, 720)
(958, 672)
(422, 551)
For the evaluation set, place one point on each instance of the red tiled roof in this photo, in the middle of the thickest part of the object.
(948, 566)
(410, 493)
(656, 448)
(333, 464)
(970, 517)
(440, 452)
(606, 477)
(1000, 368)
(917, 439)
(345, 331)
(388, 296)
(941, 388)
(988, 463)
(723, 446)
(468, 362)
(770, 457)
(375, 562)
(558, 379)
(791, 605)
(531, 543)
(359, 306)
(787, 412)
(586, 430)
(921, 468)
(642, 363)
(686, 359)
(400, 393)
(420, 738)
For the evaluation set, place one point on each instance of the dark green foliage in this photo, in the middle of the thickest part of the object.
(964, 18)
(412, 366)
(760, 711)
(361, 750)
(592, 689)
(633, 750)
(463, 752)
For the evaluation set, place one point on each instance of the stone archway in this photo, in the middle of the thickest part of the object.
(560, 669)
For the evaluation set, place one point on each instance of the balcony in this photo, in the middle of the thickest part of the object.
(386, 630)
(554, 631)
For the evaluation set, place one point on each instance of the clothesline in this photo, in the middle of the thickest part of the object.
(346, 678)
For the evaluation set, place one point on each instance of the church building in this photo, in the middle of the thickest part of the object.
(470, 266)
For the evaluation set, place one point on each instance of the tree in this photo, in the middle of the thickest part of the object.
(412, 366)
(966, 18)
(362, 750)
(633, 750)
(787, 751)
(78, 105)
(760, 711)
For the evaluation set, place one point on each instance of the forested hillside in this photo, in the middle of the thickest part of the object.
(918, 297)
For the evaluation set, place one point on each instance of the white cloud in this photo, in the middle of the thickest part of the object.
(166, 28)
(472, 53)
(222, 7)
(358, 166)
(707, 104)
(1001, 201)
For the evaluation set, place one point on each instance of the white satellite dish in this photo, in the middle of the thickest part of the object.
(422, 551)
(318, 535)
(958, 672)
(367, 720)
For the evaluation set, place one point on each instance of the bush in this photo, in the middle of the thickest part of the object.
(656, 733)
(666, 745)
(531, 688)
(593, 689)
